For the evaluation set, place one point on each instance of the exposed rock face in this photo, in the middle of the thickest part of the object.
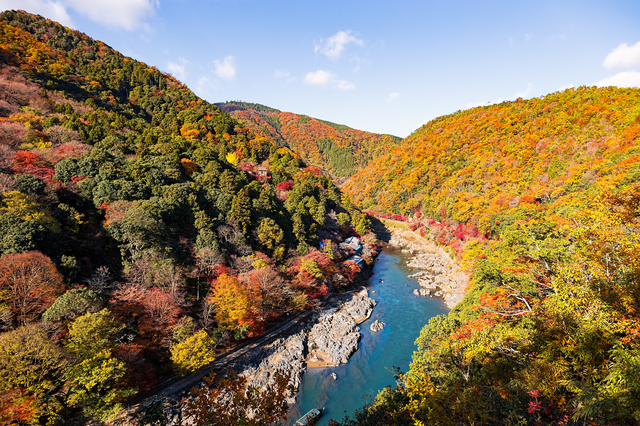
(360, 306)
(286, 354)
(376, 326)
(425, 293)
(335, 335)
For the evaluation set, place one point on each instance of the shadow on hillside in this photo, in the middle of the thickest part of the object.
(381, 231)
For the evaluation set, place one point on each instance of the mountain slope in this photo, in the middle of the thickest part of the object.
(141, 228)
(334, 147)
(473, 165)
(539, 199)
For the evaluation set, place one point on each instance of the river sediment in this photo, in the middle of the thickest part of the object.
(436, 272)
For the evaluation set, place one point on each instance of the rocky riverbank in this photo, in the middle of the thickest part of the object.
(437, 273)
(329, 338)
(335, 334)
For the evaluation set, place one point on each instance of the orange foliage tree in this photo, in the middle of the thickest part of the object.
(29, 284)
(235, 302)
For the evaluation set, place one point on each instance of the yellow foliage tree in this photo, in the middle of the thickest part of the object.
(192, 353)
(20, 205)
(232, 158)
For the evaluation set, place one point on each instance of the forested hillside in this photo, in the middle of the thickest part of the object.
(540, 201)
(141, 227)
(337, 148)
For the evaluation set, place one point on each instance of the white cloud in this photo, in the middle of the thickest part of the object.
(622, 79)
(53, 10)
(334, 46)
(129, 15)
(178, 70)
(327, 79)
(523, 94)
(511, 42)
(319, 78)
(226, 69)
(126, 14)
(528, 36)
(345, 85)
(623, 56)
(568, 86)
(393, 96)
(285, 75)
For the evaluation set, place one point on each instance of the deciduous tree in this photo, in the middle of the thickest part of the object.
(29, 283)
(234, 301)
(96, 379)
(192, 353)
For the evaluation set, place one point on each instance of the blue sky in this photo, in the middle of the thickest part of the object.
(380, 66)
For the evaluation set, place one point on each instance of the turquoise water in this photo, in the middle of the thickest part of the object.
(370, 369)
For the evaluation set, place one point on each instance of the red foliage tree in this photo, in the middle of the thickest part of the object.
(17, 407)
(285, 186)
(141, 373)
(246, 166)
(30, 163)
(271, 287)
(29, 284)
(313, 170)
(313, 272)
(154, 311)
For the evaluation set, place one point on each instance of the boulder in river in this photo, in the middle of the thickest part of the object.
(376, 326)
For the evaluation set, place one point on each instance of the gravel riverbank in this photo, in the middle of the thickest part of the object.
(437, 273)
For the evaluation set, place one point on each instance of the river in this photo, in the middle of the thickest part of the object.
(370, 369)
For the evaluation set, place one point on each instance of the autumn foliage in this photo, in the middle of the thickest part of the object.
(335, 147)
(141, 228)
(538, 199)
(231, 400)
(29, 284)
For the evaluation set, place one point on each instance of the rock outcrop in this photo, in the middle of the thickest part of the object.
(284, 354)
(438, 275)
(335, 334)
(377, 326)
(329, 338)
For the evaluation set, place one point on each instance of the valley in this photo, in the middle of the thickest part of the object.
(149, 237)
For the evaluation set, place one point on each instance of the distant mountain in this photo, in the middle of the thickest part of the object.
(334, 147)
